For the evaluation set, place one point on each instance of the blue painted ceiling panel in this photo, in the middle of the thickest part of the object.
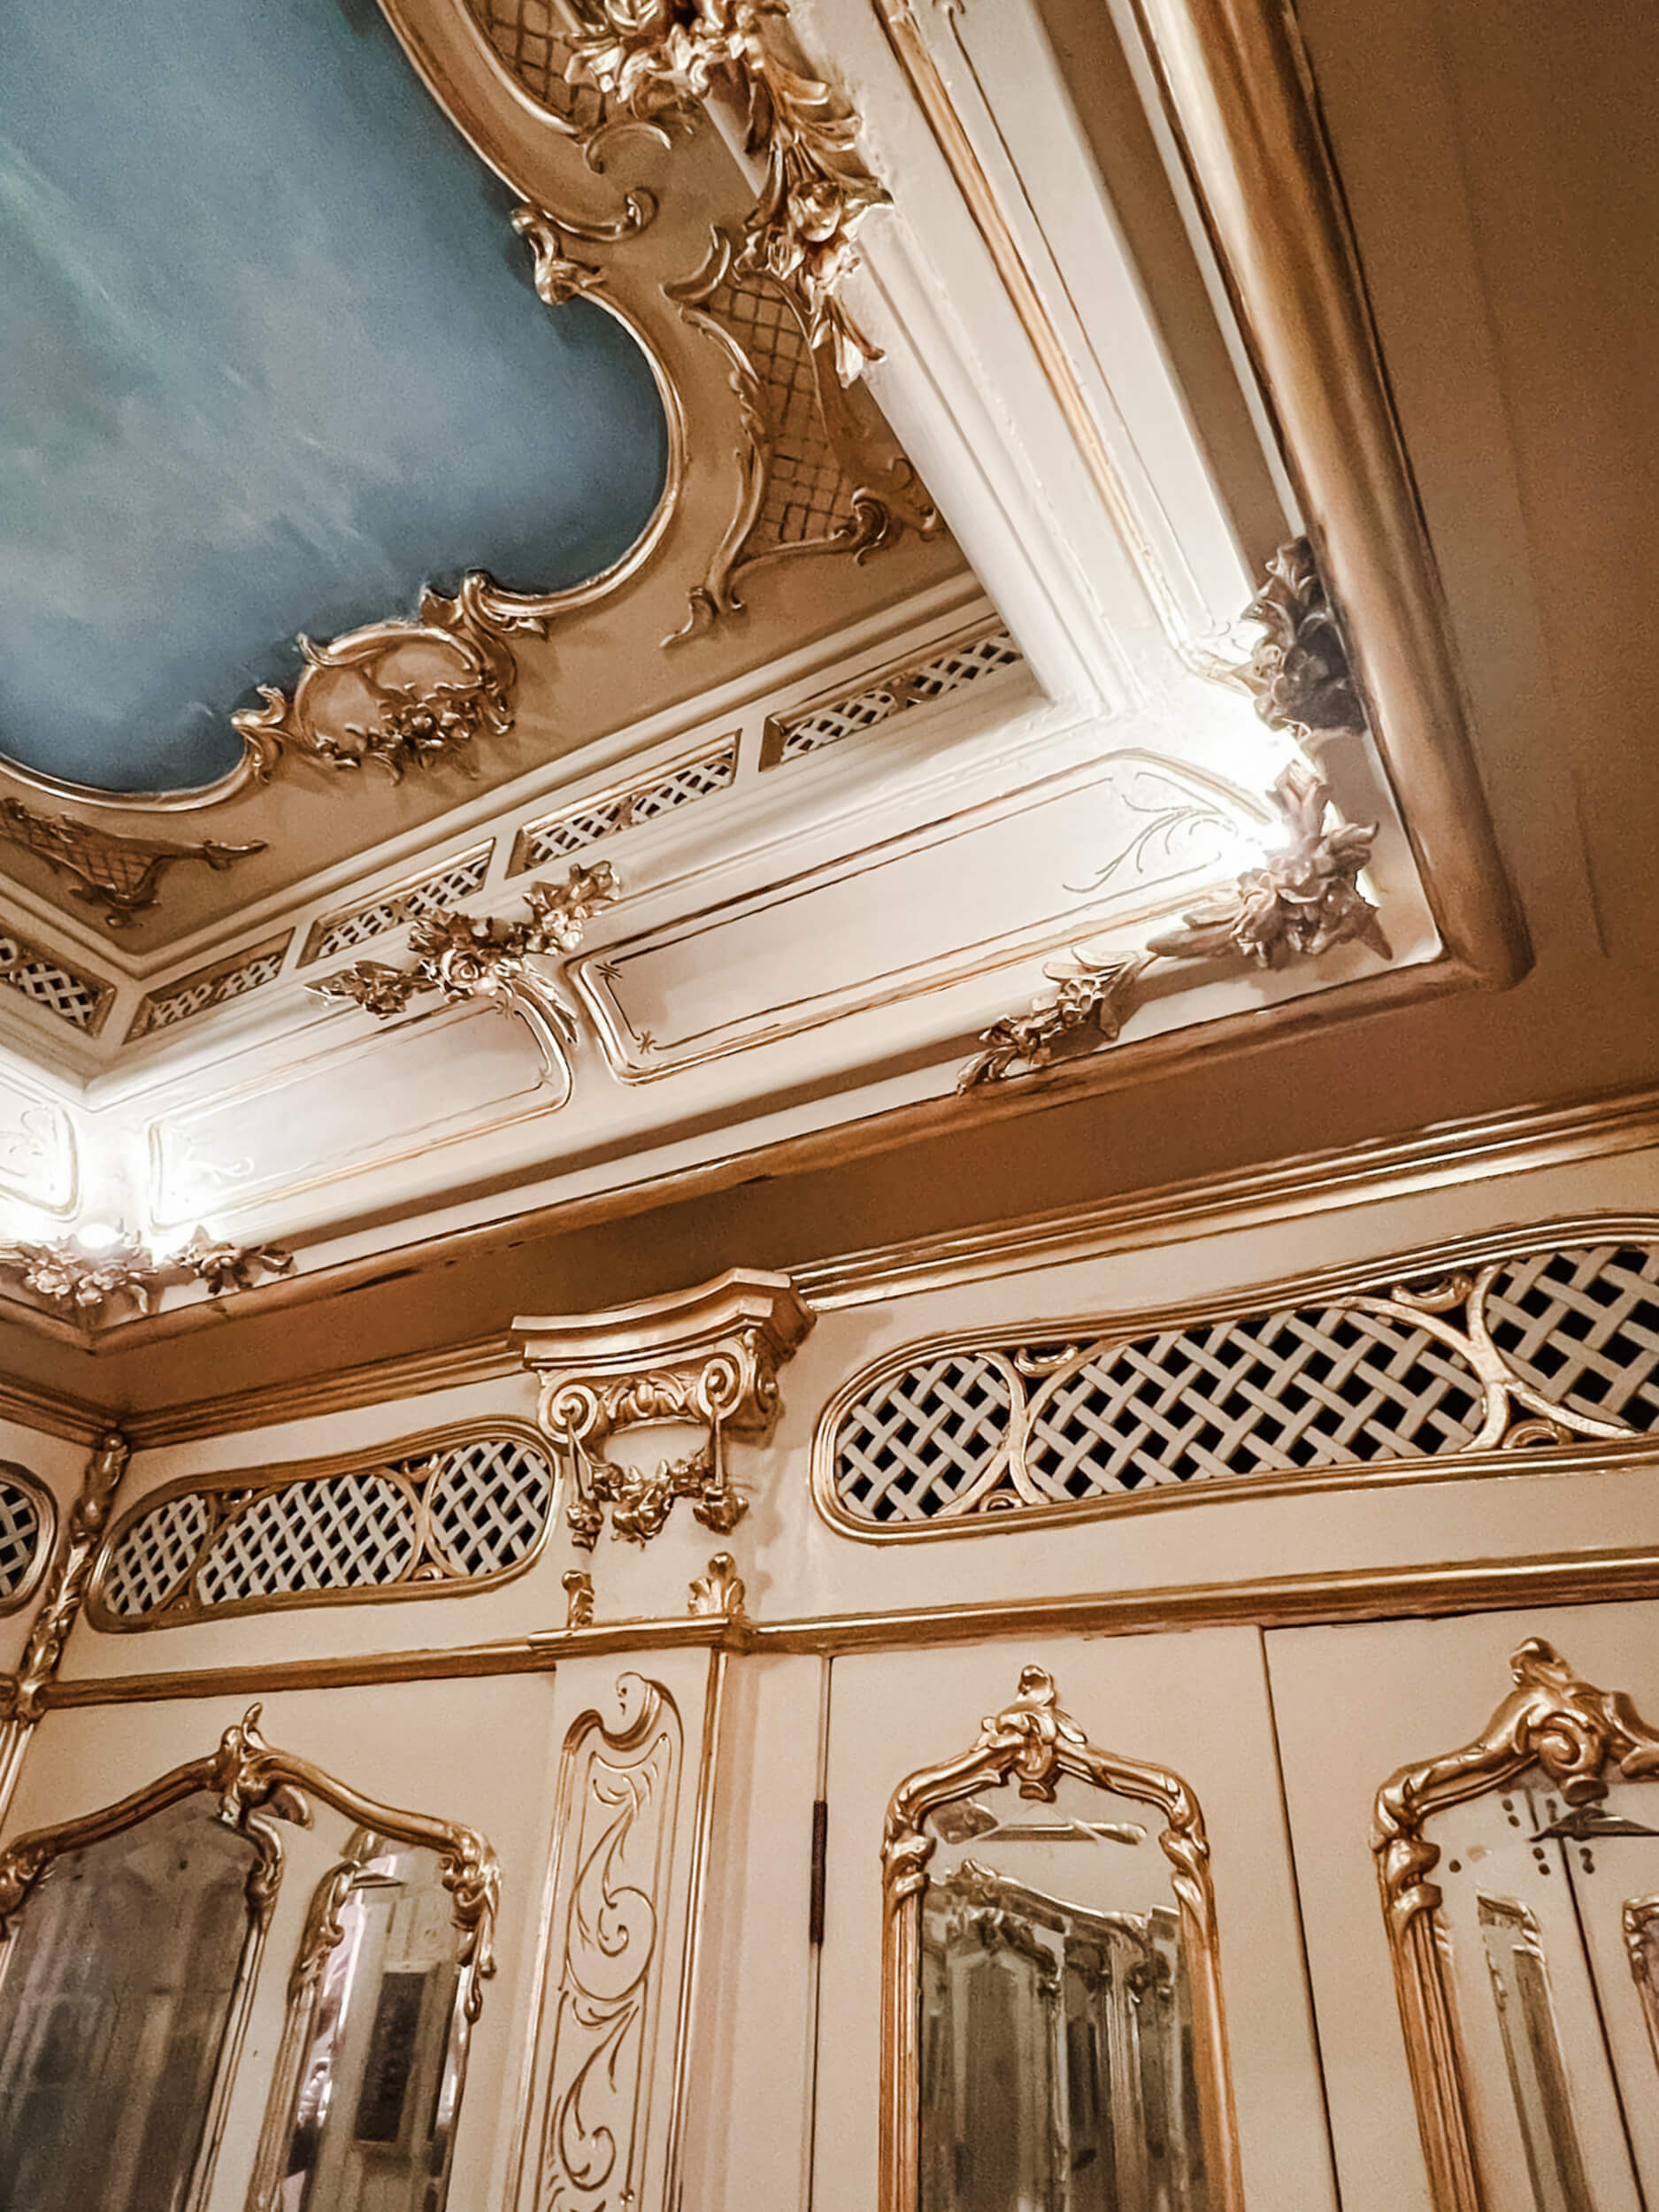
(270, 359)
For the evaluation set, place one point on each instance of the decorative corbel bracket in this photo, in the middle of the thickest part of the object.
(708, 1357)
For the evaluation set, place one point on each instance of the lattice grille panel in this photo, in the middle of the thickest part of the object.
(559, 836)
(924, 1441)
(207, 987)
(917, 684)
(488, 1503)
(1582, 1325)
(523, 33)
(153, 1556)
(22, 1528)
(1276, 1391)
(470, 1507)
(1376, 1374)
(808, 492)
(455, 880)
(82, 1001)
(346, 1532)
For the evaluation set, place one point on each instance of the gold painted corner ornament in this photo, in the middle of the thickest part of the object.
(22, 1695)
(1034, 1743)
(1302, 902)
(399, 695)
(657, 60)
(706, 1358)
(465, 959)
(121, 874)
(85, 1284)
(1579, 1737)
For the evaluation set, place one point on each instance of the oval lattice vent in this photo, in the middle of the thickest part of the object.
(26, 1535)
(461, 1507)
(1551, 1345)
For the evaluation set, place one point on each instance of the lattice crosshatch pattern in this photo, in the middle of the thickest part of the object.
(82, 1001)
(445, 886)
(26, 1535)
(215, 986)
(1554, 1345)
(965, 660)
(559, 836)
(467, 1508)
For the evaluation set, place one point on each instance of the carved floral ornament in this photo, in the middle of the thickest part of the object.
(465, 958)
(1305, 898)
(1580, 1738)
(706, 1358)
(85, 1284)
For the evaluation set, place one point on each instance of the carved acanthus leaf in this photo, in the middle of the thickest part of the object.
(85, 1284)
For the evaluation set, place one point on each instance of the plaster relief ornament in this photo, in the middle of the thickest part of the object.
(1303, 901)
(399, 695)
(123, 875)
(656, 61)
(84, 1284)
(464, 957)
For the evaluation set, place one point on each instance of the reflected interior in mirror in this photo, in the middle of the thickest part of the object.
(370, 2078)
(116, 1989)
(1055, 2029)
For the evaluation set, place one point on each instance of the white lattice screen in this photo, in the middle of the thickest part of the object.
(950, 668)
(1014, 1427)
(82, 1001)
(210, 986)
(560, 836)
(467, 1509)
(22, 1533)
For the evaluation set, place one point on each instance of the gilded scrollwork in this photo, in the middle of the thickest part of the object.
(22, 1693)
(1034, 1743)
(464, 957)
(659, 60)
(121, 875)
(1302, 902)
(615, 1823)
(401, 695)
(820, 471)
(1579, 1737)
(706, 1358)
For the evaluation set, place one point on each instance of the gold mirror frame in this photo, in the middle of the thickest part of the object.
(256, 1786)
(1572, 1732)
(1033, 1742)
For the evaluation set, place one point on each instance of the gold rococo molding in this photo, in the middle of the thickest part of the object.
(1574, 1734)
(707, 1357)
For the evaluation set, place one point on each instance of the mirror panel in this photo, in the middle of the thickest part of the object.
(118, 1985)
(1056, 2032)
(374, 2059)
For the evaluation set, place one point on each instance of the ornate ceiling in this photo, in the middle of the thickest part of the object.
(812, 637)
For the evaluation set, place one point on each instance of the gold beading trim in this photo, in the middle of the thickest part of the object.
(1032, 1743)
(1572, 1732)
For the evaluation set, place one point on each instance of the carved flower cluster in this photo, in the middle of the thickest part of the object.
(1303, 901)
(83, 1284)
(466, 957)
